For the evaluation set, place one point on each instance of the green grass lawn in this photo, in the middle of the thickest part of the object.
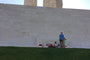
(26, 53)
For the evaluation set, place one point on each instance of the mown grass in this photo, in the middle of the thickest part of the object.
(26, 53)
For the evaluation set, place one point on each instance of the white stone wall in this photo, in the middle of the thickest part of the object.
(29, 26)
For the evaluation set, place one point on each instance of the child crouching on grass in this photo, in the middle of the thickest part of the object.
(56, 44)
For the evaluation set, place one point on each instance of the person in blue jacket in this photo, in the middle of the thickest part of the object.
(61, 39)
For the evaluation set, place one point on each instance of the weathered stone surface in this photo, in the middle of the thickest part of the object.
(49, 3)
(59, 3)
(30, 2)
(28, 26)
(53, 3)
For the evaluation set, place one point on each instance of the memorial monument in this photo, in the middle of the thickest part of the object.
(46, 3)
